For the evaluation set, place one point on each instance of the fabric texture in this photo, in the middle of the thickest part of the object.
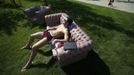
(48, 35)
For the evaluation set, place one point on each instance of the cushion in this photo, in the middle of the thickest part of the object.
(70, 46)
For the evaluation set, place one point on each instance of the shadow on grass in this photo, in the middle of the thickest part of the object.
(43, 65)
(82, 14)
(92, 65)
(51, 62)
(10, 4)
(47, 53)
(9, 19)
(85, 15)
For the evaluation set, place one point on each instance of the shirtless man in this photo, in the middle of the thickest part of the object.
(45, 37)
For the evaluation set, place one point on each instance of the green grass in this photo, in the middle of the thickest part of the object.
(112, 32)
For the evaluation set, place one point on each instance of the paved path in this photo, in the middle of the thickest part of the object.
(124, 6)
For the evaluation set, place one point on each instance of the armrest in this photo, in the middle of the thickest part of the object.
(59, 51)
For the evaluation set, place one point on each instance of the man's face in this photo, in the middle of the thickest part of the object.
(64, 19)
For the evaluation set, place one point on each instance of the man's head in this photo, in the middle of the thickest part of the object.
(66, 20)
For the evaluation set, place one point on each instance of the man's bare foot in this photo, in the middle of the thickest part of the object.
(25, 68)
(26, 47)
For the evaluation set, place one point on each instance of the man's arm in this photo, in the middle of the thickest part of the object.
(51, 28)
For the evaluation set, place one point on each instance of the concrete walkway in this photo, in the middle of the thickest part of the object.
(122, 5)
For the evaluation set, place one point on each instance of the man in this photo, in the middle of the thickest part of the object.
(45, 37)
(110, 2)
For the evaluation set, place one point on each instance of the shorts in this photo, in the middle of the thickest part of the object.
(48, 35)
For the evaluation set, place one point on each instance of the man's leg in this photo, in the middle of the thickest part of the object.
(37, 35)
(35, 47)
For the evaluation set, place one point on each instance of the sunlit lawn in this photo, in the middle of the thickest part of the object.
(112, 32)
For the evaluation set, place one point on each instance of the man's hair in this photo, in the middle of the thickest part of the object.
(69, 21)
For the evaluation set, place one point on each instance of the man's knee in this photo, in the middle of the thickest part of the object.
(37, 35)
(34, 47)
(32, 36)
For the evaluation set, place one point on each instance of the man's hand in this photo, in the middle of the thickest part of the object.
(54, 41)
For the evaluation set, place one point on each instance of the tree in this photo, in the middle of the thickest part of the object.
(45, 2)
(14, 3)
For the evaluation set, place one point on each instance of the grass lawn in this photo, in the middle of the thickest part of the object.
(112, 32)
